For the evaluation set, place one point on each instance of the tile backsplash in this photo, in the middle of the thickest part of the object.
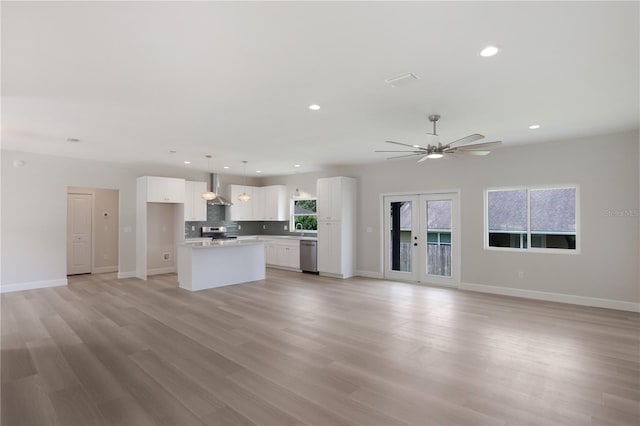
(216, 217)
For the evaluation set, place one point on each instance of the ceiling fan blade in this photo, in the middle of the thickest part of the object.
(401, 156)
(425, 158)
(405, 144)
(473, 152)
(416, 152)
(467, 139)
(482, 146)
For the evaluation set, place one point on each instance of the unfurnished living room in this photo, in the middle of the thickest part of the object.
(320, 213)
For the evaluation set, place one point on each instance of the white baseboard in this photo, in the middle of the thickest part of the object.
(128, 274)
(553, 297)
(32, 285)
(158, 271)
(104, 269)
(370, 274)
(284, 268)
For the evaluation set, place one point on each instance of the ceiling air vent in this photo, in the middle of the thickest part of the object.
(401, 80)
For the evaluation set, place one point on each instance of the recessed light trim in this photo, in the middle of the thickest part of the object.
(489, 51)
(534, 126)
(225, 167)
(258, 171)
(314, 107)
(187, 162)
(296, 165)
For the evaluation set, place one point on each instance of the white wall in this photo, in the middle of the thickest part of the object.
(34, 211)
(604, 167)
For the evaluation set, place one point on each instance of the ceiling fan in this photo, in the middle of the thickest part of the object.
(439, 150)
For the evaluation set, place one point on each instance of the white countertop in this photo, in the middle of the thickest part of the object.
(221, 243)
(275, 237)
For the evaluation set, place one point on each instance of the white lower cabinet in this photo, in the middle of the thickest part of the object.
(282, 253)
(330, 247)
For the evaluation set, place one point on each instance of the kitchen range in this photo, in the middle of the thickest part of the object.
(217, 233)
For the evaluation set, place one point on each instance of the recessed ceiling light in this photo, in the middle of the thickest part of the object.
(489, 51)
(258, 171)
(187, 162)
(73, 140)
(225, 167)
(296, 165)
(534, 126)
(314, 107)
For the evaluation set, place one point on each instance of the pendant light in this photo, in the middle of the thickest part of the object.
(244, 196)
(209, 195)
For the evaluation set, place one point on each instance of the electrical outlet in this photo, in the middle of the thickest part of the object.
(286, 227)
(239, 227)
(193, 228)
(166, 256)
(264, 226)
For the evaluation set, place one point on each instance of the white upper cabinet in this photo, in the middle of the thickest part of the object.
(257, 203)
(240, 210)
(267, 203)
(164, 190)
(275, 203)
(195, 208)
(335, 197)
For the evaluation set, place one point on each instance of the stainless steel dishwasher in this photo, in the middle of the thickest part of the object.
(309, 256)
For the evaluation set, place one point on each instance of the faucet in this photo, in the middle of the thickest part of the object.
(299, 229)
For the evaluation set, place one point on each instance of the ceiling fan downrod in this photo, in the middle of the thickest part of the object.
(434, 119)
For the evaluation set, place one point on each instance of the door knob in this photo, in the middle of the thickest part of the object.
(415, 244)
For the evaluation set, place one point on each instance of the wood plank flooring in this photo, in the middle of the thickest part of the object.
(298, 349)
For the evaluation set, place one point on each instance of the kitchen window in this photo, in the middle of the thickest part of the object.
(535, 219)
(304, 215)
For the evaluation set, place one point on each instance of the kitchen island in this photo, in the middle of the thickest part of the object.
(219, 263)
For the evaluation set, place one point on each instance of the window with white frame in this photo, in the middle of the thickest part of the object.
(531, 218)
(304, 216)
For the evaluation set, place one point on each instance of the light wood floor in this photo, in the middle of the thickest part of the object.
(298, 349)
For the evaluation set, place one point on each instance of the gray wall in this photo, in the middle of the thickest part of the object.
(605, 168)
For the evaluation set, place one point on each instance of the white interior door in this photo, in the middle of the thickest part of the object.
(421, 242)
(79, 241)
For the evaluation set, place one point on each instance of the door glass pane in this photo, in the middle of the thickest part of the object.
(400, 238)
(439, 237)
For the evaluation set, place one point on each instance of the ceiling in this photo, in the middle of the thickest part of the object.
(133, 81)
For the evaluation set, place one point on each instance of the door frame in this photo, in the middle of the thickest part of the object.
(422, 278)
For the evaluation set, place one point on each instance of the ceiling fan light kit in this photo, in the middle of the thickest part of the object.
(434, 152)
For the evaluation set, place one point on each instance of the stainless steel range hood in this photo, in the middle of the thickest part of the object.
(215, 187)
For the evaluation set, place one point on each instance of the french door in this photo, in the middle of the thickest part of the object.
(421, 238)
